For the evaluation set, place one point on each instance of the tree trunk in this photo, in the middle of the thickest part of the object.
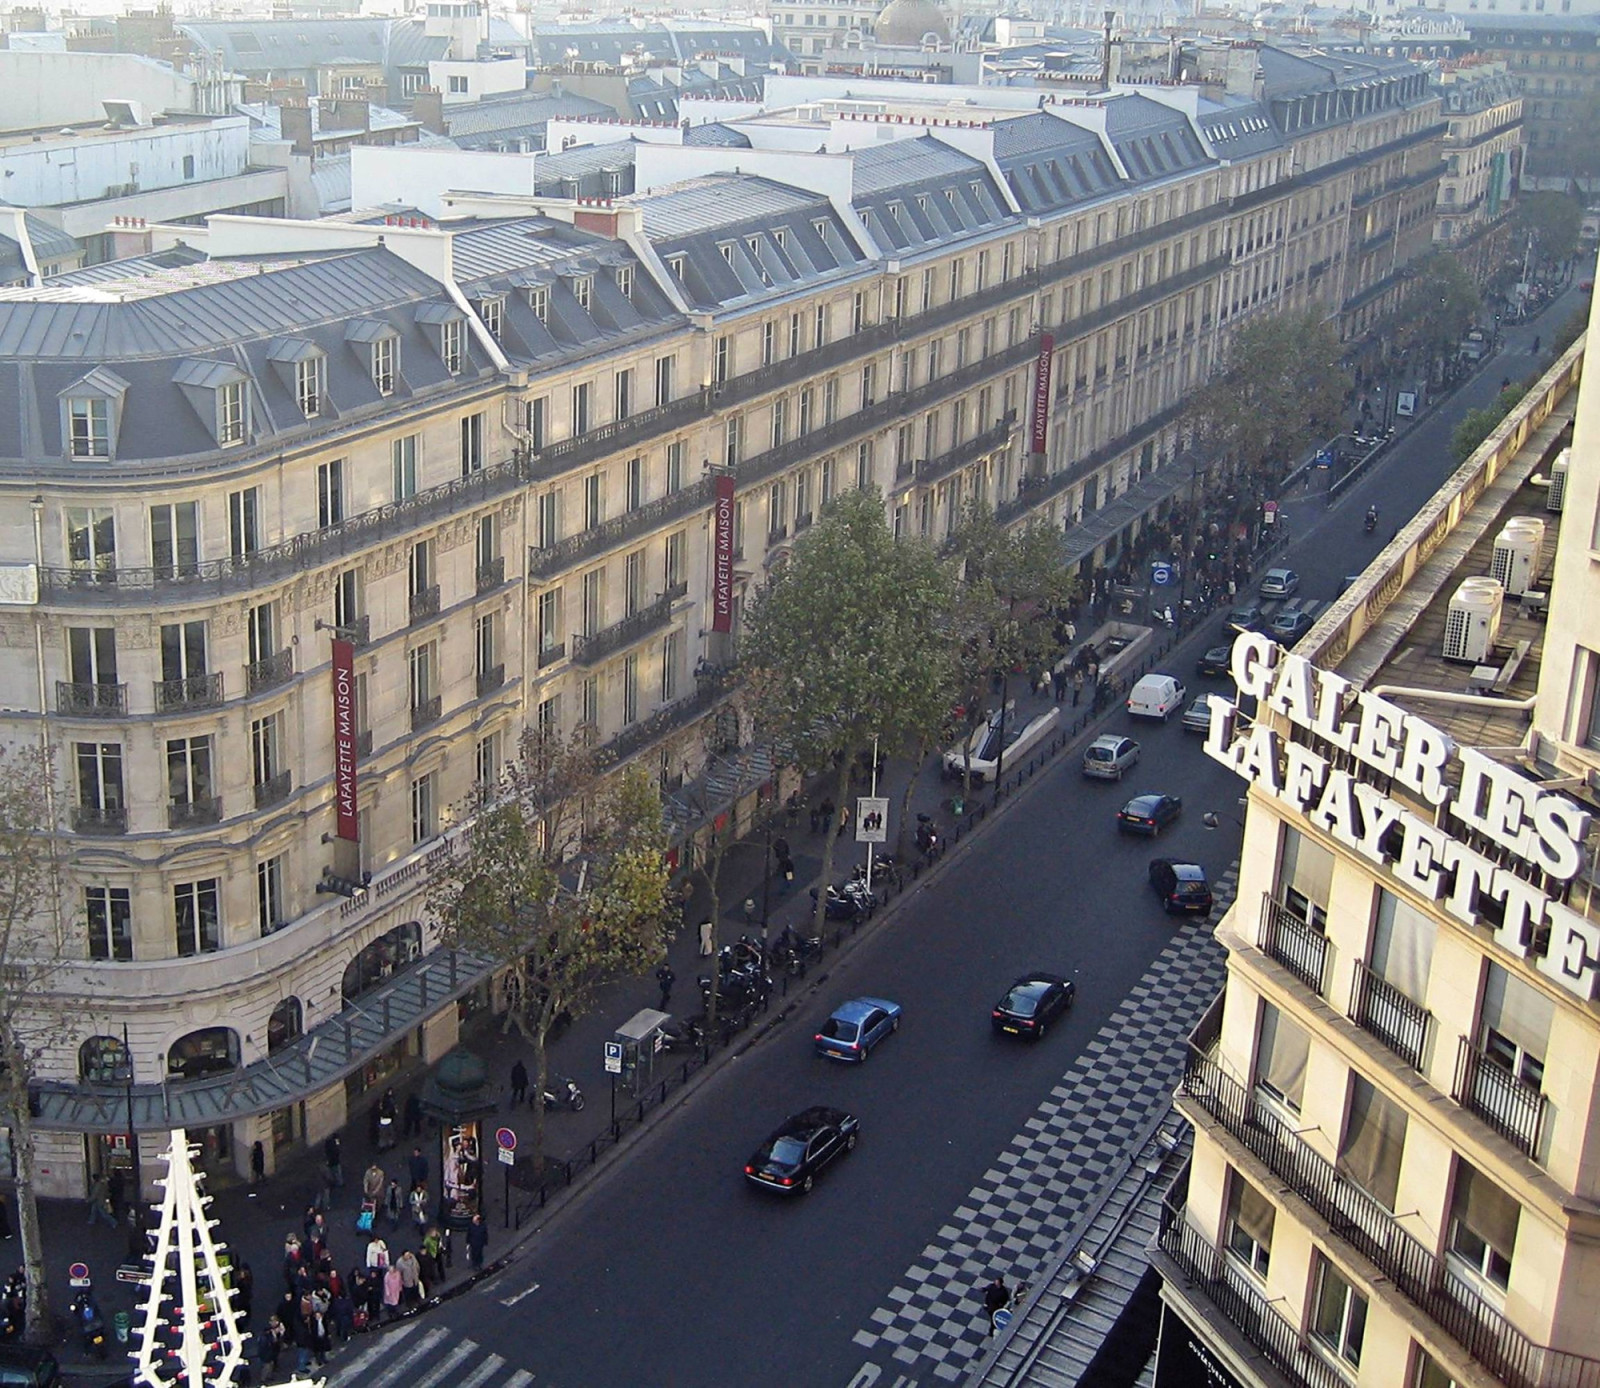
(713, 876)
(39, 1327)
(548, 1012)
(517, 1013)
(905, 799)
(819, 922)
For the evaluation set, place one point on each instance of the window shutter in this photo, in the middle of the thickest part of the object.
(1281, 1062)
(1374, 1138)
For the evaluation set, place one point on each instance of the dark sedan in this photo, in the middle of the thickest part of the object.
(1181, 886)
(1217, 661)
(1149, 814)
(1032, 1003)
(789, 1160)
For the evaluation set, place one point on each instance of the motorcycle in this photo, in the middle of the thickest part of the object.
(737, 985)
(91, 1325)
(1371, 522)
(927, 837)
(794, 951)
(684, 1034)
(563, 1094)
(840, 906)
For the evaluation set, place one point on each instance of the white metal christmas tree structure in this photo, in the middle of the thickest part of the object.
(191, 1336)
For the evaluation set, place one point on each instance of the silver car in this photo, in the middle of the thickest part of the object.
(1109, 756)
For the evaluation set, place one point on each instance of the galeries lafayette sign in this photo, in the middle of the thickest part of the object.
(1541, 828)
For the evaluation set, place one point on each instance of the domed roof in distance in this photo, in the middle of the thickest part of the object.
(908, 22)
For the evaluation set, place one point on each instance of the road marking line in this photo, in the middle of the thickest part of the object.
(483, 1373)
(380, 1346)
(520, 1379)
(513, 1300)
(395, 1371)
(465, 1350)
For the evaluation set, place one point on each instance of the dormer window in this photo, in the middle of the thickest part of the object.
(821, 228)
(625, 281)
(922, 202)
(539, 301)
(383, 365)
(678, 264)
(219, 394)
(452, 335)
(230, 412)
(89, 428)
(491, 309)
(308, 386)
(583, 291)
(726, 248)
(780, 238)
(444, 324)
(753, 245)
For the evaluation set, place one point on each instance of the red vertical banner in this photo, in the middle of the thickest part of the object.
(1041, 393)
(722, 556)
(344, 740)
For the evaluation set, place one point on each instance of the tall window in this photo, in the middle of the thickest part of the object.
(99, 776)
(794, 334)
(632, 582)
(486, 644)
(580, 408)
(1339, 1314)
(624, 394)
(175, 539)
(89, 427)
(539, 301)
(1402, 947)
(547, 518)
(197, 916)
(724, 360)
(625, 281)
(189, 782)
(589, 703)
(819, 326)
(492, 311)
(1249, 1224)
(583, 291)
(768, 339)
(671, 664)
(347, 598)
(635, 484)
(594, 500)
(1374, 1138)
(271, 909)
(830, 400)
(593, 598)
(424, 814)
(829, 484)
(383, 365)
(91, 539)
(548, 620)
(230, 412)
(266, 751)
(422, 675)
(1515, 1030)
(780, 420)
(330, 493)
(664, 368)
(92, 655)
(108, 914)
(308, 386)
(733, 434)
(261, 629)
(183, 651)
(486, 763)
(471, 444)
(1305, 878)
(864, 462)
(403, 465)
(1282, 1050)
(244, 522)
(548, 716)
(452, 343)
(675, 451)
(630, 688)
(538, 422)
(673, 567)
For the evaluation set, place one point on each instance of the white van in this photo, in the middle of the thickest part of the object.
(1155, 696)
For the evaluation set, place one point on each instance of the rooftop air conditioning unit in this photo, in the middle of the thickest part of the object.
(1473, 621)
(1517, 551)
(1556, 495)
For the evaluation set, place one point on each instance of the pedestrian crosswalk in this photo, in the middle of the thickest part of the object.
(417, 1355)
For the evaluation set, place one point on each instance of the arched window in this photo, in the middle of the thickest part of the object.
(209, 1051)
(285, 1025)
(379, 960)
(103, 1060)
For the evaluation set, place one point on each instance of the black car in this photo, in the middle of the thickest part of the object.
(790, 1159)
(1181, 886)
(1032, 1003)
(1245, 617)
(1217, 661)
(1149, 814)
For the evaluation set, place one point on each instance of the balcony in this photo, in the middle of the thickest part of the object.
(548, 655)
(491, 679)
(357, 631)
(997, 436)
(1511, 1106)
(273, 791)
(586, 650)
(99, 586)
(275, 669)
(669, 718)
(1427, 1281)
(91, 700)
(1215, 1277)
(99, 819)
(191, 692)
(802, 522)
(192, 814)
(426, 712)
(595, 443)
(1382, 1009)
(596, 540)
(363, 744)
(1294, 944)
(424, 604)
(491, 574)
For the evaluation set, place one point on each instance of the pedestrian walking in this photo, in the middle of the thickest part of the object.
(996, 1296)
(410, 1270)
(258, 1163)
(477, 1240)
(519, 1083)
(844, 820)
(1058, 685)
(394, 1205)
(244, 1290)
(333, 1159)
(100, 1201)
(432, 1261)
(418, 1200)
(1077, 686)
(373, 1181)
(666, 978)
(417, 1167)
(393, 1292)
(270, 1344)
(708, 939)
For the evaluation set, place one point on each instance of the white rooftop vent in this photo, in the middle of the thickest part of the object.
(1473, 620)
(1517, 550)
(1557, 493)
(125, 114)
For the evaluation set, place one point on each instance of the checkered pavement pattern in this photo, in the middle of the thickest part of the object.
(1015, 1218)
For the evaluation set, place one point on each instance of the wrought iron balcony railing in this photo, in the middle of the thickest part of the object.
(191, 692)
(491, 679)
(596, 540)
(548, 655)
(191, 814)
(91, 700)
(426, 712)
(273, 791)
(586, 650)
(1379, 1007)
(1302, 950)
(269, 672)
(968, 451)
(100, 819)
(1507, 1103)
(491, 573)
(424, 604)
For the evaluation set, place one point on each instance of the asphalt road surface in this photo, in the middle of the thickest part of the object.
(669, 1271)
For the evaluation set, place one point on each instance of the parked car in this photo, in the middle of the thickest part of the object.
(1291, 625)
(856, 1027)
(1155, 695)
(1197, 717)
(1032, 1003)
(1181, 886)
(1279, 583)
(24, 1366)
(1245, 617)
(1149, 813)
(1217, 661)
(802, 1145)
(1109, 756)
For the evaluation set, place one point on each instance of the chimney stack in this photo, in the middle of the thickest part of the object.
(428, 107)
(294, 123)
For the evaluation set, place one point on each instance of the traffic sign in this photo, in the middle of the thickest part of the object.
(1161, 574)
(613, 1057)
(1269, 512)
(504, 1137)
(1002, 1318)
(508, 1157)
(78, 1275)
(872, 819)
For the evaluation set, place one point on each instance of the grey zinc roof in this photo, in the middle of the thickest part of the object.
(1051, 163)
(486, 249)
(1238, 130)
(922, 192)
(1152, 140)
(719, 201)
(716, 133)
(517, 115)
(135, 267)
(901, 163)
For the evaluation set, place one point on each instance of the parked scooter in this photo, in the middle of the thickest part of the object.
(794, 951)
(927, 836)
(563, 1093)
(684, 1033)
(91, 1324)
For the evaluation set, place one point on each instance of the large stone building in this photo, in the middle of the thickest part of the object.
(1483, 163)
(1394, 1101)
(455, 476)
